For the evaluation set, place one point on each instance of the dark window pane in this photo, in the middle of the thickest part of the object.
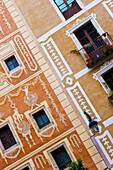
(88, 37)
(45, 118)
(108, 77)
(41, 118)
(11, 67)
(39, 121)
(11, 63)
(61, 157)
(6, 137)
(26, 168)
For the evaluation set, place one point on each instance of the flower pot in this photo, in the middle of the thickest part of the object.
(88, 60)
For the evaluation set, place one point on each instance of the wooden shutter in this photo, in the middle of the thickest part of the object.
(68, 7)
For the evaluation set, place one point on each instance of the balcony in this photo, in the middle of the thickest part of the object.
(97, 51)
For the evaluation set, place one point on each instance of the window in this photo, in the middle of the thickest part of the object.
(68, 7)
(11, 63)
(41, 118)
(6, 137)
(88, 37)
(61, 157)
(25, 167)
(108, 78)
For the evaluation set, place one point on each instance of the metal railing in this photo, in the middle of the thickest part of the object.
(95, 50)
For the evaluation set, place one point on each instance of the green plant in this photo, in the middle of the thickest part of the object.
(105, 85)
(111, 93)
(74, 51)
(78, 165)
(107, 48)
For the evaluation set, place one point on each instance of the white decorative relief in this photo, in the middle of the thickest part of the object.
(108, 6)
(79, 22)
(61, 116)
(26, 53)
(14, 152)
(56, 58)
(3, 78)
(22, 126)
(82, 102)
(107, 63)
(75, 141)
(40, 161)
(98, 75)
(106, 143)
(108, 121)
(1, 30)
(3, 16)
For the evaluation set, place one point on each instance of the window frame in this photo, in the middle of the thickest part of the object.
(93, 20)
(55, 148)
(14, 135)
(60, 13)
(67, 146)
(28, 162)
(24, 166)
(33, 122)
(100, 78)
(8, 50)
(16, 68)
(45, 127)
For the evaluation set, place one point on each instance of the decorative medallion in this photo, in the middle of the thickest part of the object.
(23, 127)
(31, 99)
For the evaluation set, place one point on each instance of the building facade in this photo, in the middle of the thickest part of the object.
(40, 126)
(84, 26)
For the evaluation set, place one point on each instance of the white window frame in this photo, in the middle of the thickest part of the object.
(7, 51)
(24, 166)
(15, 69)
(14, 135)
(60, 13)
(36, 112)
(93, 21)
(100, 78)
(52, 158)
(26, 163)
(30, 118)
(66, 145)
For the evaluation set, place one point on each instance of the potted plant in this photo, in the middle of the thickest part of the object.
(75, 51)
(107, 49)
(78, 165)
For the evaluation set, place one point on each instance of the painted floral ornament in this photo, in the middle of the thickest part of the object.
(31, 99)
(3, 78)
(23, 127)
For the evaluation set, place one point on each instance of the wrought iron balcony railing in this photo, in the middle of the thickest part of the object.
(96, 50)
